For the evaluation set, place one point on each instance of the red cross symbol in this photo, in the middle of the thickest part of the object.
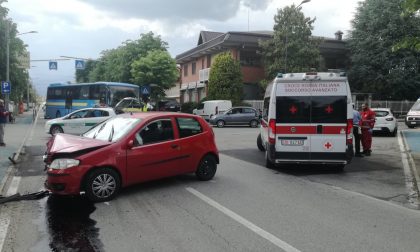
(328, 145)
(293, 109)
(329, 109)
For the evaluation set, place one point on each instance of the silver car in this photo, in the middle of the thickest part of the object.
(237, 116)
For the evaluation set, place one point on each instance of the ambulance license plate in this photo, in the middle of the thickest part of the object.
(413, 123)
(290, 142)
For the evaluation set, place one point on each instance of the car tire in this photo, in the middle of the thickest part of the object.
(259, 143)
(55, 129)
(220, 124)
(394, 133)
(268, 162)
(253, 123)
(206, 168)
(58, 114)
(411, 126)
(102, 185)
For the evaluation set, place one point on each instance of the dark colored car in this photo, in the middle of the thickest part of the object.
(237, 116)
(169, 105)
(129, 149)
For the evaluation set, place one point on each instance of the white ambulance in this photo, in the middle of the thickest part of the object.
(307, 118)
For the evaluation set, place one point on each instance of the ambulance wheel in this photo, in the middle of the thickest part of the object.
(220, 123)
(259, 143)
(253, 124)
(268, 163)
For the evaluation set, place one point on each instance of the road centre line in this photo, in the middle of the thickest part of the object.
(261, 232)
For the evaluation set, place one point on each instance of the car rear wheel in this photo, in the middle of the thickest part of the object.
(102, 185)
(253, 124)
(220, 123)
(207, 168)
(55, 129)
(259, 143)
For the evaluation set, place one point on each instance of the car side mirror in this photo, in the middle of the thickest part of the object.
(130, 144)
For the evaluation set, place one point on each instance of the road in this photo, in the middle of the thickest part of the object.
(247, 207)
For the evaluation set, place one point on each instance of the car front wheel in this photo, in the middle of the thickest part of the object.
(220, 123)
(55, 129)
(207, 168)
(102, 185)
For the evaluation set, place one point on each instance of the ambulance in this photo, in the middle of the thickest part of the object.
(307, 118)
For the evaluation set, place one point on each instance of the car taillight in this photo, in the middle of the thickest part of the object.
(349, 132)
(272, 131)
(390, 119)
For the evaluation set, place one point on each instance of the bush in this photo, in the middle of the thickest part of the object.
(188, 107)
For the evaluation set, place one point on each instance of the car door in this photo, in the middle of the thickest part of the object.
(248, 114)
(74, 122)
(155, 154)
(234, 116)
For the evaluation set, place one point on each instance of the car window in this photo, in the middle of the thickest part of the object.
(249, 111)
(100, 113)
(236, 111)
(79, 114)
(188, 127)
(154, 132)
(381, 113)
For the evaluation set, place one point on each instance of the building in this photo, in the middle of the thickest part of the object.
(195, 64)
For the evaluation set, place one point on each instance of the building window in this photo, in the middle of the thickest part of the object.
(208, 61)
(186, 70)
(202, 63)
(249, 58)
(193, 68)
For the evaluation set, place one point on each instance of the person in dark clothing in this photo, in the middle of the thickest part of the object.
(4, 116)
(357, 132)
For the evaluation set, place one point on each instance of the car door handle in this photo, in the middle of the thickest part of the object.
(174, 146)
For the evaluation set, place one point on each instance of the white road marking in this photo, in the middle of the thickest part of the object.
(410, 179)
(14, 185)
(261, 232)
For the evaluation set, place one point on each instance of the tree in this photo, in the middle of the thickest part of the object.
(158, 68)
(292, 48)
(410, 41)
(225, 80)
(376, 68)
(115, 64)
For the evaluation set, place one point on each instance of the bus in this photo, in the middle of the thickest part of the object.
(63, 99)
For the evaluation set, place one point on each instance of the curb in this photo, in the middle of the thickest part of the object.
(15, 158)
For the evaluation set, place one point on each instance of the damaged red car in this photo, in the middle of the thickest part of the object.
(129, 149)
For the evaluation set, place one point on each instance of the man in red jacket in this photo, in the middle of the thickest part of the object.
(368, 121)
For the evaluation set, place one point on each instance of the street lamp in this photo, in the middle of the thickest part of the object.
(285, 56)
(8, 59)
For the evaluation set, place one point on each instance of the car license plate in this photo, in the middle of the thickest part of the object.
(292, 142)
(376, 128)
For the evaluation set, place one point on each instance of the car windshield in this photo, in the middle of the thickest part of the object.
(381, 113)
(416, 106)
(113, 129)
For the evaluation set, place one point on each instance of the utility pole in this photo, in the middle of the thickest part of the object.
(6, 102)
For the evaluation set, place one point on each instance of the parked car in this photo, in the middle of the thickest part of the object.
(413, 116)
(169, 105)
(236, 116)
(78, 121)
(385, 122)
(207, 109)
(129, 104)
(127, 149)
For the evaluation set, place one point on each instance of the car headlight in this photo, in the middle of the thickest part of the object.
(64, 163)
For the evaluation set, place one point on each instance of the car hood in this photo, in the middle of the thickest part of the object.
(64, 143)
(414, 113)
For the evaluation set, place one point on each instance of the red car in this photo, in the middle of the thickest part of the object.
(129, 149)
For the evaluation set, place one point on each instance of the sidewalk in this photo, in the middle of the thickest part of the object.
(14, 136)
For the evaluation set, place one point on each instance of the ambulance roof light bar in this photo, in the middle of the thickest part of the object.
(311, 75)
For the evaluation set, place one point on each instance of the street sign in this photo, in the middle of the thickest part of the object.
(53, 65)
(145, 90)
(6, 87)
(80, 64)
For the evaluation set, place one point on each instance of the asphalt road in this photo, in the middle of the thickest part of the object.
(247, 207)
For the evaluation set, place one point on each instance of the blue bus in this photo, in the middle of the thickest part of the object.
(62, 99)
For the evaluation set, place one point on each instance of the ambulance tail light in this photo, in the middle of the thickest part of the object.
(272, 131)
(349, 132)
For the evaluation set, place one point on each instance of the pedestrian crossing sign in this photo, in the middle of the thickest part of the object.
(53, 65)
(80, 64)
(145, 90)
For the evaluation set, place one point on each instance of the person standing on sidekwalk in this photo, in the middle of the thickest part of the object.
(368, 121)
(357, 132)
(4, 116)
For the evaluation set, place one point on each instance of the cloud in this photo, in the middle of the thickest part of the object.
(181, 9)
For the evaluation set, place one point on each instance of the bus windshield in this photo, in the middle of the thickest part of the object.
(63, 99)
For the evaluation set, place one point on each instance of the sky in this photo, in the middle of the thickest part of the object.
(85, 28)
